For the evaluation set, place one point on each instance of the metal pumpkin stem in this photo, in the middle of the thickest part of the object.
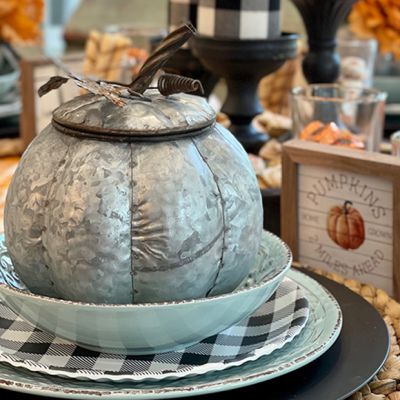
(161, 55)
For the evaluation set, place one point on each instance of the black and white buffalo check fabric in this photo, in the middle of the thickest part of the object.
(274, 324)
(239, 19)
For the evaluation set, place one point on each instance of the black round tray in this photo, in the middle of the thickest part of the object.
(350, 363)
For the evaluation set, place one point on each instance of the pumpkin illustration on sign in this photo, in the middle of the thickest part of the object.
(346, 226)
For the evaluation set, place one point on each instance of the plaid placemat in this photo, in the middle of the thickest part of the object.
(274, 324)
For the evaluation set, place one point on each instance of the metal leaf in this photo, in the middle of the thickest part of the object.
(112, 92)
(53, 83)
(116, 92)
(160, 56)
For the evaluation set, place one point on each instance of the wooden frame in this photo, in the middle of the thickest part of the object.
(373, 180)
(34, 72)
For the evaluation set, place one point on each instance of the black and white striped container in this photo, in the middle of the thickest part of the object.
(239, 19)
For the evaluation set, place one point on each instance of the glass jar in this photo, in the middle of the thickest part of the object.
(339, 115)
(357, 60)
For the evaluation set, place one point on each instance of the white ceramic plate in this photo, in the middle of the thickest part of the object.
(317, 337)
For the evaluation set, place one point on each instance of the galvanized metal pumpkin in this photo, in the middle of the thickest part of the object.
(148, 202)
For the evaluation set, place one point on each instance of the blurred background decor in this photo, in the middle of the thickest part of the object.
(20, 20)
(142, 20)
(322, 20)
(242, 42)
(380, 20)
(104, 53)
(357, 61)
(35, 71)
(274, 88)
(19, 23)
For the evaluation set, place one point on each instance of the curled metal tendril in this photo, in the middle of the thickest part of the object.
(171, 83)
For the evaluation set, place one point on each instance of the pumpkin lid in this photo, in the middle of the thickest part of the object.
(162, 118)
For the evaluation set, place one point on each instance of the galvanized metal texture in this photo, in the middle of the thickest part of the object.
(111, 222)
(163, 116)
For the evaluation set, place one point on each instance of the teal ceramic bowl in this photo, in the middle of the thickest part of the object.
(152, 327)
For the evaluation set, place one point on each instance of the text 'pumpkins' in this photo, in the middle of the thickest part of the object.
(148, 202)
(345, 226)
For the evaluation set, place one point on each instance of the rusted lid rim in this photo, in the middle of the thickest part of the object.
(115, 135)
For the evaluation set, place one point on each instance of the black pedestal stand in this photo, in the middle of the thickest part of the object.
(243, 63)
(322, 19)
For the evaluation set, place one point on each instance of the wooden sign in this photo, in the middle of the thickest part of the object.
(341, 211)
